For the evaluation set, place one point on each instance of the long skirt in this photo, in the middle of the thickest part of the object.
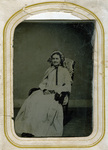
(40, 115)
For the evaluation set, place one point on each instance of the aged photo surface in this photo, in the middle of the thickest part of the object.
(53, 78)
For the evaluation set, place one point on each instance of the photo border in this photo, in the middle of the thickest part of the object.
(6, 44)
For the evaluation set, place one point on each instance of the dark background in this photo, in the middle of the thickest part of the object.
(34, 41)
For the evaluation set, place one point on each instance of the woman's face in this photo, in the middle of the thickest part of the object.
(56, 60)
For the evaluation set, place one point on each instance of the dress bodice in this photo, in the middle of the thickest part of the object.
(63, 79)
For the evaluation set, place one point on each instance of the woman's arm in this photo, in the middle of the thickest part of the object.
(43, 84)
(66, 87)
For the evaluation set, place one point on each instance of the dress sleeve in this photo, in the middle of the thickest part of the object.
(67, 83)
(43, 84)
(66, 87)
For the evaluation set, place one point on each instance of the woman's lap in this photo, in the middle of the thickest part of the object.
(40, 115)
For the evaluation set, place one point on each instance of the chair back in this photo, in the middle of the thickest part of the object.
(70, 65)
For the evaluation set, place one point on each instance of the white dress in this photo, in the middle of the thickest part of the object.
(40, 114)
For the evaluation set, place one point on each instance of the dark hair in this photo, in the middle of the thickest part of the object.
(60, 55)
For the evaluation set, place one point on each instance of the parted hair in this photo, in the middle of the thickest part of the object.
(62, 58)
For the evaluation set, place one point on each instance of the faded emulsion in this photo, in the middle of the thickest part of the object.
(34, 41)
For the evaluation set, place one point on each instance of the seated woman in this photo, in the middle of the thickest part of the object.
(41, 115)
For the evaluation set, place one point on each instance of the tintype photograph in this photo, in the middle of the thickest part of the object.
(53, 78)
